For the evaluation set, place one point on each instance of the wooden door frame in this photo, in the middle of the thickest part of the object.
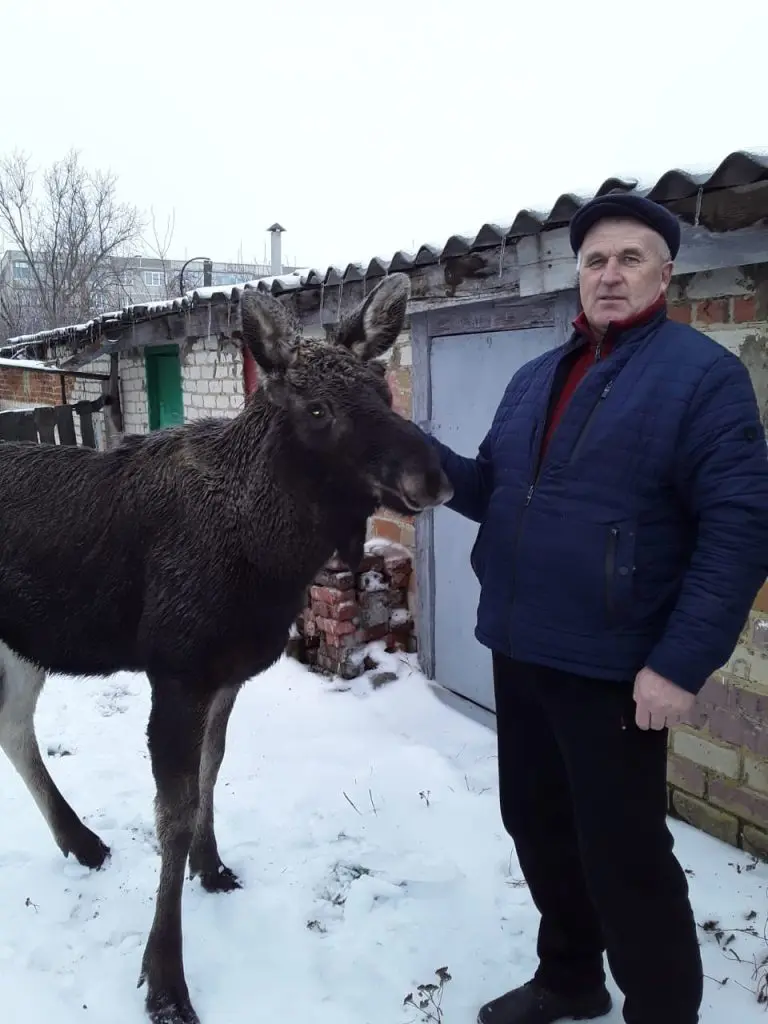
(556, 311)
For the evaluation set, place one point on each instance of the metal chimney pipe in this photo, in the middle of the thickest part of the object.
(276, 231)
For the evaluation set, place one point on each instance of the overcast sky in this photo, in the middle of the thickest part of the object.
(365, 127)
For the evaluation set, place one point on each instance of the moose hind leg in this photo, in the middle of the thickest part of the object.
(175, 733)
(20, 686)
(204, 859)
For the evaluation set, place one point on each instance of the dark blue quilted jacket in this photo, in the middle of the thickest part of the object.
(642, 537)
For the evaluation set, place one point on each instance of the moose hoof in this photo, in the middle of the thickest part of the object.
(87, 849)
(223, 879)
(166, 1008)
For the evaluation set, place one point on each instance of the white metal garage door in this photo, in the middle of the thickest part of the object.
(469, 373)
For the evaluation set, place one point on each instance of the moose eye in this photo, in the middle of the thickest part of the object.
(316, 410)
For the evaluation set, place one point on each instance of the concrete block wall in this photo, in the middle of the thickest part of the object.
(133, 393)
(212, 379)
(89, 390)
(718, 760)
(211, 383)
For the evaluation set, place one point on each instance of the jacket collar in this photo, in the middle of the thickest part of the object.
(619, 330)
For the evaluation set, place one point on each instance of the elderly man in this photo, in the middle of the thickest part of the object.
(622, 497)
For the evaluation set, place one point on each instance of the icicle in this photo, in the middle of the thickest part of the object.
(699, 197)
(322, 301)
(210, 307)
(501, 254)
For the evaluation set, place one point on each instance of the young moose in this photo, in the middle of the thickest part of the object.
(185, 554)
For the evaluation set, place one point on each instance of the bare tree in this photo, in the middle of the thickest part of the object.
(159, 248)
(18, 312)
(74, 235)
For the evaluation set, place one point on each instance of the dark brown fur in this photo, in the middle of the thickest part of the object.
(185, 554)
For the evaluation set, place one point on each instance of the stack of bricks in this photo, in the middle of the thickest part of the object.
(718, 760)
(346, 610)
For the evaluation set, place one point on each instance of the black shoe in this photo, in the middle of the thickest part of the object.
(531, 1004)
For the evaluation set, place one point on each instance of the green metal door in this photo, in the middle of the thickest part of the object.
(164, 395)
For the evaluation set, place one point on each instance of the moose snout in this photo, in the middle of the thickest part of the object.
(421, 490)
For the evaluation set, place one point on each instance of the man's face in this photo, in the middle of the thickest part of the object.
(624, 269)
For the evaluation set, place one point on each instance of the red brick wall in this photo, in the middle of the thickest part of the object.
(704, 313)
(31, 387)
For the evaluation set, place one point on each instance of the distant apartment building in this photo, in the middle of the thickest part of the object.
(125, 281)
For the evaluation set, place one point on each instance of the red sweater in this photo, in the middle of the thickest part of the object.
(588, 356)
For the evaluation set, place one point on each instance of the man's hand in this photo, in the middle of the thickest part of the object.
(659, 703)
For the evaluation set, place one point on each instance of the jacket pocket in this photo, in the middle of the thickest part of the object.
(575, 571)
(619, 571)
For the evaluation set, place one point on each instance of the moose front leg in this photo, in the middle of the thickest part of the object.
(204, 859)
(175, 733)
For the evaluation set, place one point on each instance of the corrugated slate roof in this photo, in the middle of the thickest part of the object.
(738, 169)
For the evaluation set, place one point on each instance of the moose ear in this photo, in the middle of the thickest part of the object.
(268, 330)
(372, 328)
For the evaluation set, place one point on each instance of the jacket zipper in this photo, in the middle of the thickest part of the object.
(583, 432)
(532, 485)
(519, 528)
(610, 568)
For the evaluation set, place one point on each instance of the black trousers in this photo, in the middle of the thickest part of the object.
(583, 796)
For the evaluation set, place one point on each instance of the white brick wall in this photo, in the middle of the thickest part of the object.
(133, 386)
(212, 380)
(90, 390)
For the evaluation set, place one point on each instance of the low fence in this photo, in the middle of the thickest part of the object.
(56, 424)
(47, 404)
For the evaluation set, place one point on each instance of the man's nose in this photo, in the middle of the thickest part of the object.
(611, 270)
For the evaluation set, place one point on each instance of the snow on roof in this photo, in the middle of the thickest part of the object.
(25, 364)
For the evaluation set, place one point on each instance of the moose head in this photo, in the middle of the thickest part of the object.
(334, 399)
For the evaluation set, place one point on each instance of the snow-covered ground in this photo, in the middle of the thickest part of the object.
(363, 822)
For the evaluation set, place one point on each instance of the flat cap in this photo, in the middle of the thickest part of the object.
(629, 205)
